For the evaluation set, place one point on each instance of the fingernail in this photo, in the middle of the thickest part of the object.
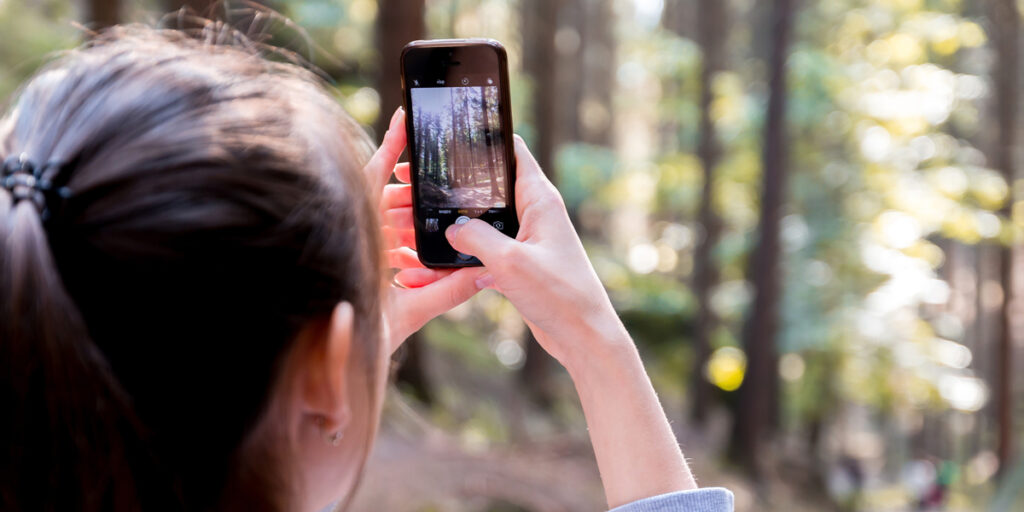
(484, 281)
(452, 231)
(394, 118)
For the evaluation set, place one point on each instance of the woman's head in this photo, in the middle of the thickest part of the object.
(204, 302)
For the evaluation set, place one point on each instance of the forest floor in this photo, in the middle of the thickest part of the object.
(484, 447)
(417, 467)
(479, 196)
(473, 197)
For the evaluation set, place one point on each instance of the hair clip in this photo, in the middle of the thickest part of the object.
(26, 181)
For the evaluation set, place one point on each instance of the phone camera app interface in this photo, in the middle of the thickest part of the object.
(460, 153)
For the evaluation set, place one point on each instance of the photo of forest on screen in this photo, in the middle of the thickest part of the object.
(459, 148)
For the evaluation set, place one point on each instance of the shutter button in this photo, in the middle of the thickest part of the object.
(461, 257)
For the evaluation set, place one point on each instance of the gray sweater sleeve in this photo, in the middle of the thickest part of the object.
(711, 499)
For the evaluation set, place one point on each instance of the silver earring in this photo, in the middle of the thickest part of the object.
(335, 438)
(332, 438)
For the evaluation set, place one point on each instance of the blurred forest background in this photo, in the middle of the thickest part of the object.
(806, 213)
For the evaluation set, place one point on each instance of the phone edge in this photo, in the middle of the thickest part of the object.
(506, 99)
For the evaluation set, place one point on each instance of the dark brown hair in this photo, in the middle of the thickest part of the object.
(216, 210)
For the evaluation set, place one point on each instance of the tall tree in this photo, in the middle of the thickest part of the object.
(488, 140)
(712, 34)
(540, 22)
(757, 404)
(398, 22)
(456, 156)
(598, 47)
(1006, 40)
(471, 153)
(101, 14)
(679, 15)
(586, 64)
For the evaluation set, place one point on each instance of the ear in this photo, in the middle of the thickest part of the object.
(324, 393)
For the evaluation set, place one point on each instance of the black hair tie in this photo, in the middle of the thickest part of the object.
(27, 181)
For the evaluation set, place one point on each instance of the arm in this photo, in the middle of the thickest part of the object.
(636, 451)
(545, 273)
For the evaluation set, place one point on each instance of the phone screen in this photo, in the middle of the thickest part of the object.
(459, 125)
(460, 149)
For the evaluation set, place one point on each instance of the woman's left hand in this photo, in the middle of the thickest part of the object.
(418, 294)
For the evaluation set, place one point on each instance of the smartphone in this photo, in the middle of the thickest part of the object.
(461, 154)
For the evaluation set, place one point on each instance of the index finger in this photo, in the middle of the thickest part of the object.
(532, 185)
(383, 162)
(527, 168)
(402, 173)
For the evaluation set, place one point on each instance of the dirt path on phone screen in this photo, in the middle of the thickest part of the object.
(472, 197)
(479, 196)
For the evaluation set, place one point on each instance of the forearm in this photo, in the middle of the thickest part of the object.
(637, 453)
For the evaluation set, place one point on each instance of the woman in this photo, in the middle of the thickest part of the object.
(193, 306)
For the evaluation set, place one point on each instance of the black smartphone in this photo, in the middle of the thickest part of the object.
(461, 154)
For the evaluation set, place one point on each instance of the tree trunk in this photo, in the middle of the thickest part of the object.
(101, 14)
(757, 404)
(412, 376)
(443, 165)
(453, 153)
(398, 22)
(467, 107)
(680, 16)
(712, 34)
(1006, 36)
(540, 19)
(420, 149)
(586, 72)
(572, 67)
(598, 52)
(492, 159)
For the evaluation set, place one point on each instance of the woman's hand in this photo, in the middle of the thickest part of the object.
(418, 294)
(546, 275)
(544, 271)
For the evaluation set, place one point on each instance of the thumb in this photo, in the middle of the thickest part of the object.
(478, 238)
(414, 307)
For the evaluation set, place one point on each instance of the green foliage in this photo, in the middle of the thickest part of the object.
(32, 33)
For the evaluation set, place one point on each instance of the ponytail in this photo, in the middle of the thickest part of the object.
(68, 430)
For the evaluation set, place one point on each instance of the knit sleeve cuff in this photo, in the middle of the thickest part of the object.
(711, 499)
